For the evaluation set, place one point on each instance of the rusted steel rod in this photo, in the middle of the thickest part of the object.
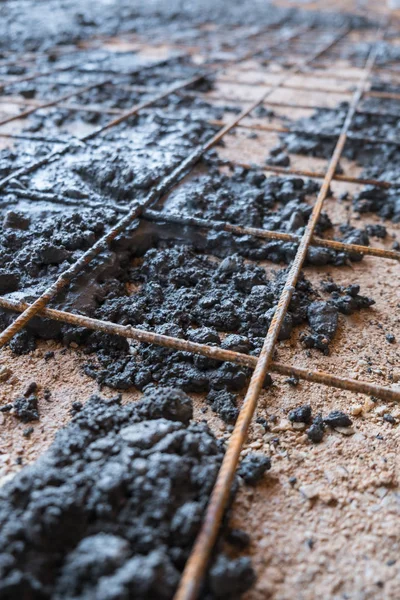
(32, 138)
(322, 90)
(297, 130)
(315, 175)
(215, 352)
(280, 104)
(32, 76)
(196, 565)
(76, 92)
(135, 211)
(181, 219)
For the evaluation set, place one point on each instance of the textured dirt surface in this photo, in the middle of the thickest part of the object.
(323, 522)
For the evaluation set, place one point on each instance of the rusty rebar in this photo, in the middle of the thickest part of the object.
(196, 565)
(280, 104)
(182, 219)
(315, 175)
(324, 90)
(316, 134)
(35, 75)
(214, 352)
(76, 92)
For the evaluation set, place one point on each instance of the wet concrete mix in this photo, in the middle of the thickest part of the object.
(113, 507)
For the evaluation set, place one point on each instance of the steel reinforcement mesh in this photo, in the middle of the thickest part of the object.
(310, 46)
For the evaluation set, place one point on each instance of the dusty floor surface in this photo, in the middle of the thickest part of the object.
(325, 520)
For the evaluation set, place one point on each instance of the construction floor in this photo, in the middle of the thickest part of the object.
(324, 521)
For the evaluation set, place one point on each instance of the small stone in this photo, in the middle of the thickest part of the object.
(381, 410)
(257, 444)
(369, 404)
(309, 491)
(389, 418)
(390, 338)
(299, 426)
(258, 430)
(283, 425)
(27, 432)
(356, 410)
(5, 373)
(396, 376)
(345, 430)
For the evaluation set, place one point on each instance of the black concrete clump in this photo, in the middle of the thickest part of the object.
(315, 433)
(378, 231)
(323, 316)
(26, 408)
(111, 510)
(337, 418)
(253, 467)
(189, 296)
(301, 414)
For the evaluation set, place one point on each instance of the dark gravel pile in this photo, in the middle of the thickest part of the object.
(112, 508)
